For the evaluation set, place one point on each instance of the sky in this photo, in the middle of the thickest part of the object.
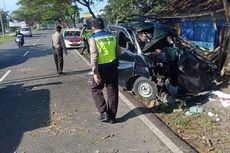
(11, 5)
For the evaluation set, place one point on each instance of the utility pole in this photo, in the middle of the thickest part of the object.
(226, 33)
(3, 32)
(227, 9)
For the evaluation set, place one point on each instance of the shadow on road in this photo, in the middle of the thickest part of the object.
(133, 113)
(22, 109)
(21, 80)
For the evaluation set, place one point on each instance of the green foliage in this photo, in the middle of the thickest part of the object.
(33, 11)
(118, 10)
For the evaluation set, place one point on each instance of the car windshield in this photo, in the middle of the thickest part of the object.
(25, 29)
(72, 33)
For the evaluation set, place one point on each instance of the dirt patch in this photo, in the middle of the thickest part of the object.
(207, 132)
(25, 70)
(199, 130)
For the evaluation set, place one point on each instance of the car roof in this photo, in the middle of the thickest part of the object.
(139, 26)
(73, 29)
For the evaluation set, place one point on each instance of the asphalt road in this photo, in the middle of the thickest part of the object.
(41, 112)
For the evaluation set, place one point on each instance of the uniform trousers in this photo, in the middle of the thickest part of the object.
(86, 46)
(58, 59)
(109, 77)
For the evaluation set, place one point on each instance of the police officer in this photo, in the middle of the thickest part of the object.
(104, 50)
(58, 46)
(85, 34)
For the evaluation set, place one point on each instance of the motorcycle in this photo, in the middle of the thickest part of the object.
(19, 41)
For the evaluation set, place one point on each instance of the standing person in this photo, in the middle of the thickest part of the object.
(58, 46)
(104, 50)
(85, 34)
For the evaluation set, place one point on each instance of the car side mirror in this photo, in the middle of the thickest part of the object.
(129, 46)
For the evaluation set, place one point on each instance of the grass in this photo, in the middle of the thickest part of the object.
(7, 38)
(180, 121)
(35, 30)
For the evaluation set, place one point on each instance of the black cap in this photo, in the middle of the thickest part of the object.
(98, 23)
(58, 28)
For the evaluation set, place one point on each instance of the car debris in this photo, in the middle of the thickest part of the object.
(222, 97)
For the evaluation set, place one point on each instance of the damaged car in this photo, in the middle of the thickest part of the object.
(155, 62)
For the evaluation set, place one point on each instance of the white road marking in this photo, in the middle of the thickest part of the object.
(82, 57)
(5, 75)
(147, 122)
(26, 53)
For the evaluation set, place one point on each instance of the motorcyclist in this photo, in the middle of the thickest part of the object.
(18, 33)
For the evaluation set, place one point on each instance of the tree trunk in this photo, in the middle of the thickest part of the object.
(227, 9)
(226, 42)
(91, 12)
(74, 19)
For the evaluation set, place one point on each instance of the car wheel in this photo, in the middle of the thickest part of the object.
(145, 88)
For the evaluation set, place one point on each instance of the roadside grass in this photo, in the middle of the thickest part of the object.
(7, 38)
(199, 130)
(35, 30)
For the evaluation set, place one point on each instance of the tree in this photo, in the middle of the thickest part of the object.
(73, 12)
(4, 18)
(87, 4)
(118, 10)
(33, 11)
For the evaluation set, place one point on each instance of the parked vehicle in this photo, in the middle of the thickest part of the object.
(8, 30)
(26, 31)
(155, 61)
(72, 38)
(19, 41)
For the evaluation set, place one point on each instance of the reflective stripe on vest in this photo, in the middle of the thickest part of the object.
(106, 46)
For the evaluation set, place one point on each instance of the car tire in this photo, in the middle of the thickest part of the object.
(145, 88)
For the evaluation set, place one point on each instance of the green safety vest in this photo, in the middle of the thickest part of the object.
(86, 34)
(106, 46)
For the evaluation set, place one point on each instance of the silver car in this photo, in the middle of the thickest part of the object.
(26, 31)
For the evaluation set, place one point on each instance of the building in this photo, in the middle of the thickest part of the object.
(199, 21)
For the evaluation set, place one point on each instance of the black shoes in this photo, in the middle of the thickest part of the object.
(112, 121)
(104, 117)
(61, 73)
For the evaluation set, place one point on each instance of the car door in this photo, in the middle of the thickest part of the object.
(128, 54)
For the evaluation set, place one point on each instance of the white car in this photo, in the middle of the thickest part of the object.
(73, 39)
(26, 31)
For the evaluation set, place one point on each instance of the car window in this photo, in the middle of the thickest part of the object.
(25, 29)
(72, 33)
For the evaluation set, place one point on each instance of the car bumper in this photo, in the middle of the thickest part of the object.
(74, 44)
(27, 34)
